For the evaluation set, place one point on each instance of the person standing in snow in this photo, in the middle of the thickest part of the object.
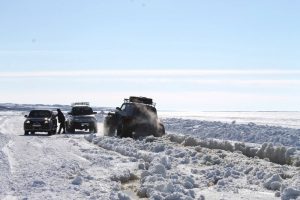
(62, 121)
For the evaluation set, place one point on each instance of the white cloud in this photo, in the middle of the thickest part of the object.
(147, 73)
(109, 87)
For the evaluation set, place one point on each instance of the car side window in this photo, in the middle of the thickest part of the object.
(123, 107)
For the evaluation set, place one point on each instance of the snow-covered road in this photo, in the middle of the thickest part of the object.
(84, 166)
(56, 167)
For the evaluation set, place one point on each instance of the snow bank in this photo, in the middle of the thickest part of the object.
(280, 154)
(4, 164)
(250, 132)
(178, 167)
(155, 164)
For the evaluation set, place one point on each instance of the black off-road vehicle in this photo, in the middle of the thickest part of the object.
(40, 121)
(81, 117)
(137, 117)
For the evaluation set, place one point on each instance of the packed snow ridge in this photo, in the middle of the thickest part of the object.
(181, 167)
(250, 132)
(279, 154)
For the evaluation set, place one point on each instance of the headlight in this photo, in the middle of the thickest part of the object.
(46, 120)
(27, 121)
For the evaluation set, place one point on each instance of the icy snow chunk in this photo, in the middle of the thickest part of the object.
(123, 196)
(123, 176)
(290, 193)
(77, 180)
(150, 139)
(201, 197)
(158, 169)
(273, 183)
(190, 180)
(188, 185)
(165, 187)
(290, 152)
(190, 141)
(235, 174)
(176, 138)
(141, 166)
(37, 183)
(221, 182)
(142, 192)
(158, 148)
(227, 173)
(90, 137)
(166, 162)
(145, 173)
(247, 171)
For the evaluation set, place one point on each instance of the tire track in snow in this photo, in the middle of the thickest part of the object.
(4, 166)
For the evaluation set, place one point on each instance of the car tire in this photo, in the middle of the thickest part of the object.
(126, 132)
(26, 133)
(162, 130)
(95, 129)
(71, 130)
(109, 131)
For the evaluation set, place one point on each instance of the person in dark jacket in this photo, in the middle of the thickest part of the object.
(62, 121)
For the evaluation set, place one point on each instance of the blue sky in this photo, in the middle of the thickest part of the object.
(187, 55)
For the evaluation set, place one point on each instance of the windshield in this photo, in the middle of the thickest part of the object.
(137, 109)
(40, 113)
(82, 111)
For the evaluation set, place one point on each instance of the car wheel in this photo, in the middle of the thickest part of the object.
(26, 133)
(71, 130)
(160, 131)
(109, 131)
(95, 130)
(32, 132)
(119, 131)
(50, 133)
(126, 131)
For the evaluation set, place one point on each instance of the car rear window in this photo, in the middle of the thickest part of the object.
(40, 113)
(82, 111)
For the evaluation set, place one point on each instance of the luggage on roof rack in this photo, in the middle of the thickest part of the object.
(144, 100)
(80, 104)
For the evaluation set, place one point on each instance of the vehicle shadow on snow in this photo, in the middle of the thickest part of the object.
(36, 134)
(76, 133)
(67, 133)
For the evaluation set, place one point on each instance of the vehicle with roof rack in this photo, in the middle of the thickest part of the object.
(137, 117)
(81, 117)
(40, 121)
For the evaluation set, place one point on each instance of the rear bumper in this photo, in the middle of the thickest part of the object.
(41, 128)
(83, 125)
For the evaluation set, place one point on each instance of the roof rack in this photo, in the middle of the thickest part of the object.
(144, 100)
(80, 104)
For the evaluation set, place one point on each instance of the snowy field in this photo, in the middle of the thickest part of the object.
(196, 160)
(284, 119)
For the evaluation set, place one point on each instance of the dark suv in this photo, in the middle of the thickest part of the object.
(81, 117)
(137, 117)
(40, 121)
